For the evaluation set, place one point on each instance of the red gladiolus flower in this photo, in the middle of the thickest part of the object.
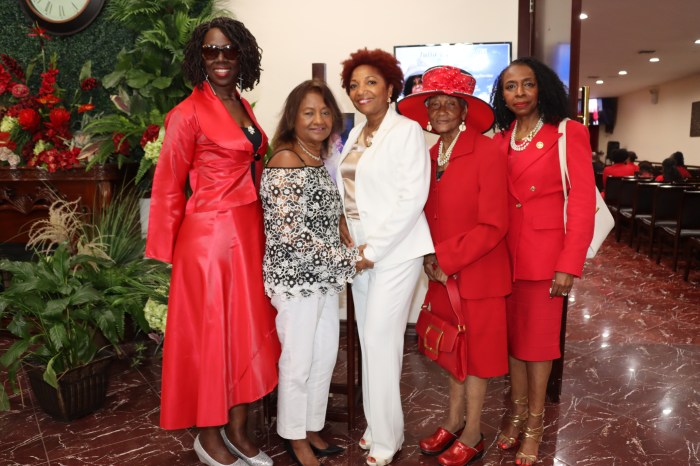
(88, 84)
(151, 134)
(121, 145)
(29, 119)
(86, 108)
(19, 91)
(5, 80)
(12, 66)
(48, 82)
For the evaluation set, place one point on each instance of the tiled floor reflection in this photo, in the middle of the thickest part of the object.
(630, 392)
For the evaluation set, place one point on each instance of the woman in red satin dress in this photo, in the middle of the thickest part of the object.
(467, 212)
(530, 101)
(221, 347)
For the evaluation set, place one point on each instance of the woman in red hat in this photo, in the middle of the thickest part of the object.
(468, 217)
(530, 101)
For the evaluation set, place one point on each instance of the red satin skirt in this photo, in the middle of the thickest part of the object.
(221, 346)
(534, 321)
(487, 350)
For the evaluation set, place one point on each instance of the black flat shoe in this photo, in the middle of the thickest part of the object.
(290, 450)
(330, 450)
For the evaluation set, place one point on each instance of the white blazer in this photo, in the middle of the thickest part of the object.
(391, 187)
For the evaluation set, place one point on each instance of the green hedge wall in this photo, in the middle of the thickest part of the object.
(99, 42)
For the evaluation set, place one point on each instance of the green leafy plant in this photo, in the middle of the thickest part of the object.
(147, 80)
(72, 300)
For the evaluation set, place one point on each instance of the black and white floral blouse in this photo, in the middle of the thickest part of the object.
(303, 252)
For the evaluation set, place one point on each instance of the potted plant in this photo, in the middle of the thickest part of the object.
(69, 305)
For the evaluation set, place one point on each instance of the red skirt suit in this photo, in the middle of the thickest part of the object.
(221, 347)
(537, 242)
(468, 218)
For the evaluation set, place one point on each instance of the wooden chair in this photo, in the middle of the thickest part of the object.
(641, 205)
(625, 202)
(692, 248)
(687, 225)
(664, 211)
(613, 186)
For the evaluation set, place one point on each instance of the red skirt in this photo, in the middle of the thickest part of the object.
(487, 350)
(221, 346)
(534, 321)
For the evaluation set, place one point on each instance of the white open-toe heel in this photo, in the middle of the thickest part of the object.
(208, 460)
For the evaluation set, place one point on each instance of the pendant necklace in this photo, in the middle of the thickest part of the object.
(444, 157)
(526, 140)
(307, 151)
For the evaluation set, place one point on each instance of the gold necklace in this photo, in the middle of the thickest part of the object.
(308, 152)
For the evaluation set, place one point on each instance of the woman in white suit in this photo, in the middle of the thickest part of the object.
(383, 177)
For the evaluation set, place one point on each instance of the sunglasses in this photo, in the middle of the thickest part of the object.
(211, 52)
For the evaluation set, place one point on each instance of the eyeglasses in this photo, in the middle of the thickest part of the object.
(211, 52)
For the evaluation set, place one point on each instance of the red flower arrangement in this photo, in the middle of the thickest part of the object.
(37, 130)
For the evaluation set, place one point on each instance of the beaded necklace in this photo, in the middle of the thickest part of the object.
(444, 157)
(308, 152)
(526, 140)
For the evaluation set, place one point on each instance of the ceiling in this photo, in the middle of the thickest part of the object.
(615, 32)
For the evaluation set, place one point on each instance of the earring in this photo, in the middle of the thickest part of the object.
(462, 127)
(388, 100)
(240, 82)
(429, 127)
(206, 78)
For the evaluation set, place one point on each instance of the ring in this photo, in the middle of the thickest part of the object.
(565, 293)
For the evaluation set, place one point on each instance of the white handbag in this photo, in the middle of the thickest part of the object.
(604, 221)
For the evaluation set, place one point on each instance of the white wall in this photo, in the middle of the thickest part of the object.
(294, 34)
(655, 131)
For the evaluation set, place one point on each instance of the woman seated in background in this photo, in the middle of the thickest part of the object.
(670, 173)
(467, 211)
(632, 160)
(646, 170)
(305, 265)
(680, 165)
(620, 167)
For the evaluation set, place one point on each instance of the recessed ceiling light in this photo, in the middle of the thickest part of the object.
(583, 16)
(654, 59)
(622, 72)
(600, 81)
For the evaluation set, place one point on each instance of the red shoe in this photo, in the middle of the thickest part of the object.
(460, 455)
(438, 442)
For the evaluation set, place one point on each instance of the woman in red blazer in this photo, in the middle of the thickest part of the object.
(467, 214)
(530, 101)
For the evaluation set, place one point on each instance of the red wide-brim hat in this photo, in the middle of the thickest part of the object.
(452, 81)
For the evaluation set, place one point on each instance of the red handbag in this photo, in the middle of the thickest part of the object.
(441, 332)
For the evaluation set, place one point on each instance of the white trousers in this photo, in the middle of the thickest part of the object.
(308, 330)
(382, 298)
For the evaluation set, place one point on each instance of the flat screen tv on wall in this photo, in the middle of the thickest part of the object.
(484, 60)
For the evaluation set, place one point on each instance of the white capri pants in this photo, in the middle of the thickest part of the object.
(308, 330)
(382, 298)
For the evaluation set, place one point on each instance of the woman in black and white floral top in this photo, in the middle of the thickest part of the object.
(305, 265)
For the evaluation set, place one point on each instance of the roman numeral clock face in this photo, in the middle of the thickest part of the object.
(63, 17)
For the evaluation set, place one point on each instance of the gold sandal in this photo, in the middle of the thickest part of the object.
(517, 421)
(534, 433)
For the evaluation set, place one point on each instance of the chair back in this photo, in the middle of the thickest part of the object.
(667, 202)
(625, 197)
(613, 186)
(643, 198)
(689, 213)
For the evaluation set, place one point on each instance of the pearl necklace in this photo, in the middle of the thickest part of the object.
(444, 157)
(308, 152)
(526, 140)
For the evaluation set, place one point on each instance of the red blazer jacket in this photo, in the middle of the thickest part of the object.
(537, 242)
(467, 212)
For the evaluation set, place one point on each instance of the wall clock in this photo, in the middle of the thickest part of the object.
(63, 17)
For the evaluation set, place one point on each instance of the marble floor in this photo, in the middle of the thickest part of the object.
(630, 392)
